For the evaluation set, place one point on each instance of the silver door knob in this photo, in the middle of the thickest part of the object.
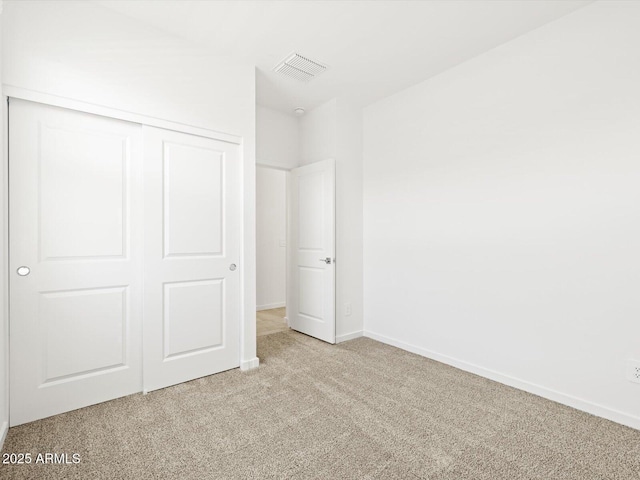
(23, 271)
(232, 267)
(326, 260)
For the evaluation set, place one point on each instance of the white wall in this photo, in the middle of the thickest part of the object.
(318, 133)
(334, 130)
(349, 289)
(271, 235)
(82, 51)
(502, 212)
(277, 139)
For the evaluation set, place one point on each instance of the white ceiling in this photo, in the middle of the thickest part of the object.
(373, 48)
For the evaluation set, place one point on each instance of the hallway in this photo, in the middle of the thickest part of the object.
(271, 321)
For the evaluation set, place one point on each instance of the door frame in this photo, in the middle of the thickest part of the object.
(247, 360)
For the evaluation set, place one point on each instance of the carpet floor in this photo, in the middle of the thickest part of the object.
(358, 410)
(271, 321)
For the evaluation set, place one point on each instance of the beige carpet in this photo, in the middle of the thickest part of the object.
(357, 410)
(271, 321)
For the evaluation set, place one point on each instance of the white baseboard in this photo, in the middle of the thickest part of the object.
(3, 433)
(550, 394)
(249, 364)
(349, 336)
(286, 321)
(269, 306)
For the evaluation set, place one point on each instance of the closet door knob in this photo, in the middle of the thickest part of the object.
(23, 271)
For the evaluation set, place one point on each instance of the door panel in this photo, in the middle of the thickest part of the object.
(193, 188)
(192, 238)
(193, 307)
(68, 174)
(77, 343)
(75, 222)
(311, 298)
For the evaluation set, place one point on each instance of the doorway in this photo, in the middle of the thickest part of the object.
(271, 250)
(295, 238)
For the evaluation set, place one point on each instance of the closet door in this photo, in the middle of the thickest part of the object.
(75, 227)
(192, 250)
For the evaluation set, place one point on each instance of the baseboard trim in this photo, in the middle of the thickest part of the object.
(3, 433)
(246, 365)
(270, 306)
(349, 336)
(550, 394)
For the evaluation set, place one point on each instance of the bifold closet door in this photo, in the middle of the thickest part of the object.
(192, 251)
(75, 226)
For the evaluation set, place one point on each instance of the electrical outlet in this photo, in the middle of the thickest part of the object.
(347, 309)
(633, 370)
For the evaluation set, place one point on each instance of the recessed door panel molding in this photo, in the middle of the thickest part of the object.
(192, 242)
(310, 199)
(311, 292)
(75, 223)
(311, 232)
(85, 331)
(194, 317)
(83, 205)
(193, 195)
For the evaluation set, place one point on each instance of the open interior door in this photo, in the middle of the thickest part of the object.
(311, 256)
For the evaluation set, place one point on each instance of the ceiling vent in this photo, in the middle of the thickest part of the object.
(299, 67)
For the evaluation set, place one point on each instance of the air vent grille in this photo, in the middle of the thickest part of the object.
(300, 67)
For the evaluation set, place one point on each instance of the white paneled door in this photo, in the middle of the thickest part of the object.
(117, 249)
(192, 238)
(75, 224)
(311, 282)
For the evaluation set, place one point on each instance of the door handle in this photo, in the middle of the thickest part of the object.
(326, 260)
